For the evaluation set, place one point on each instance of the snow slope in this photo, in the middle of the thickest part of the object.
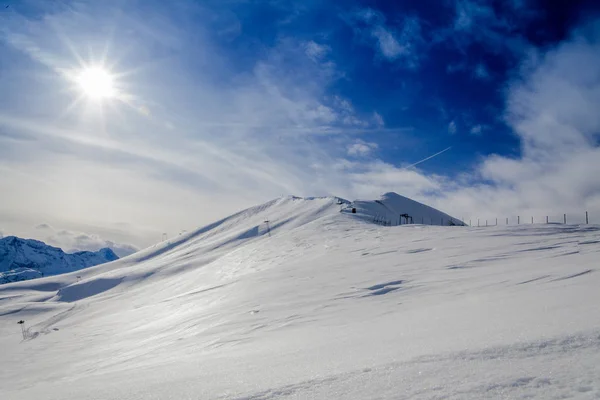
(24, 259)
(393, 209)
(329, 306)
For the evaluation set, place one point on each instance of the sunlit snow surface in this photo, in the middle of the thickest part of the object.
(329, 307)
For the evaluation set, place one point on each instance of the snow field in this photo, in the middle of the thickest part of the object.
(329, 306)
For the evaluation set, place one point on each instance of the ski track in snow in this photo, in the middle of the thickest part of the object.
(329, 307)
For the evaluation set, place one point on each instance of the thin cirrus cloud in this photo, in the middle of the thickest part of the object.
(476, 22)
(481, 72)
(393, 43)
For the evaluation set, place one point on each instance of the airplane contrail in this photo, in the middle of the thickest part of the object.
(428, 158)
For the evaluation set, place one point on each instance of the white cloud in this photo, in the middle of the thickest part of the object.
(469, 12)
(369, 179)
(477, 129)
(389, 46)
(476, 21)
(378, 119)
(316, 51)
(552, 107)
(72, 241)
(361, 148)
(452, 127)
(481, 72)
(344, 105)
(394, 44)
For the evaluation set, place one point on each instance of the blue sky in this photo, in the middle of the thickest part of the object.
(225, 104)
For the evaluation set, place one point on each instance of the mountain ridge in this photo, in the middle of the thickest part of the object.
(24, 259)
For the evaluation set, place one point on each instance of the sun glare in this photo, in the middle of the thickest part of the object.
(96, 83)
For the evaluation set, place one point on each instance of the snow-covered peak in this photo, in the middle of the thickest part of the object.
(394, 209)
(23, 259)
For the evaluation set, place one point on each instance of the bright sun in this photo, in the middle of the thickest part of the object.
(96, 83)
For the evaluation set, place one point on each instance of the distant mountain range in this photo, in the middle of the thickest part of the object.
(24, 259)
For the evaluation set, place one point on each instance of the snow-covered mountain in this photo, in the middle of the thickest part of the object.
(393, 209)
(24, 259)
(301, 298)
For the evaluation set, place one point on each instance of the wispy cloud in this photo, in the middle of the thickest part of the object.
(476, 22)
(394, 43)
(361, 148)
(481, 72)
(316, 51)
(470, 12)
(477, 129)
(378, 119)
(452, 127)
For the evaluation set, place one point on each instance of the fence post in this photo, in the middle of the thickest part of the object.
(531, 220)
(486, 222)
(470, 224)
(565, 219)
(506, 221)
(586, 218)
(477, 222)
(518, 219)
(546, 219)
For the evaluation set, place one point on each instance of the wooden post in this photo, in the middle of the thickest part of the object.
(477, 222)
(532, 220)
(546, 219)
(565, 219)
(518, 220)
(496, 221)
(587, 221)
(506, 221)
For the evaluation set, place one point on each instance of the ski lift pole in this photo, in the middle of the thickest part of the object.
(22, 323)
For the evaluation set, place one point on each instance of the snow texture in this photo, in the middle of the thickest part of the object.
(24, 259)
(319, 304)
